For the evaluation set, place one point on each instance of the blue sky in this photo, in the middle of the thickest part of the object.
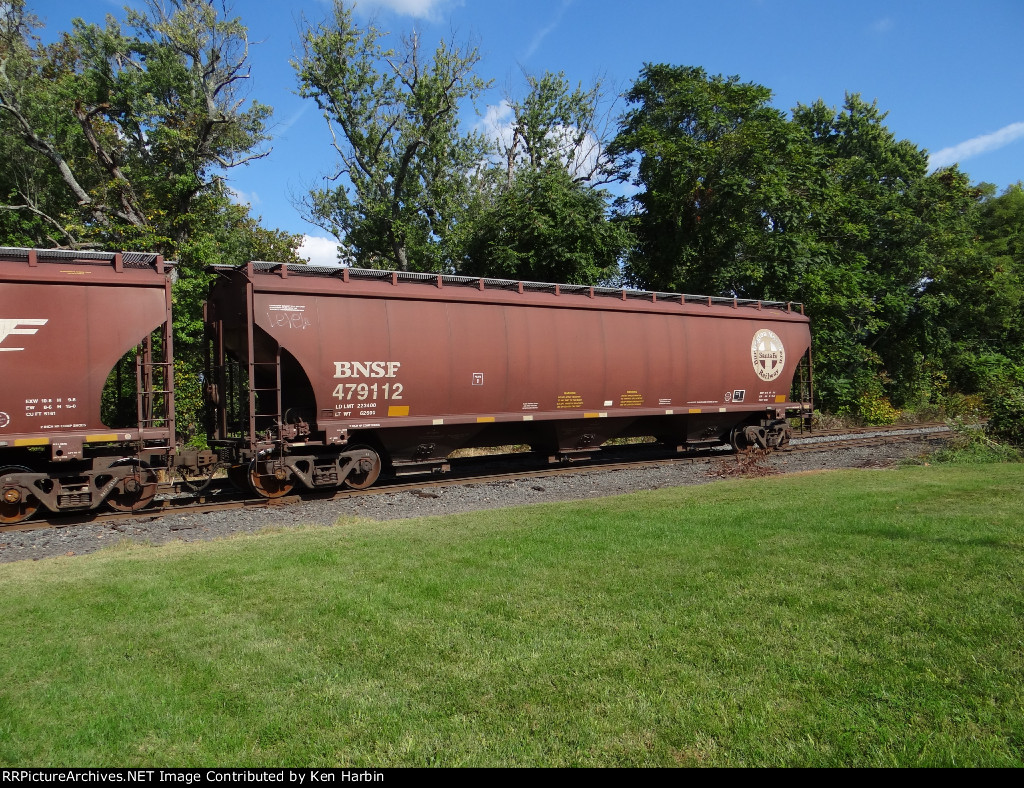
(950, 74)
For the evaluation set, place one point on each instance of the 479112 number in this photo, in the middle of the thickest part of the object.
(361, 392)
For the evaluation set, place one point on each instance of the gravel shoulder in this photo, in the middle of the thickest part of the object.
(471, 496)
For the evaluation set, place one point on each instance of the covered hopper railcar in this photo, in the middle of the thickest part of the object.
(322, 376)
(66, 320)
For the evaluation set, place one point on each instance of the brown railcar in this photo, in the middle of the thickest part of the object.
(66, 319)
(351, 371)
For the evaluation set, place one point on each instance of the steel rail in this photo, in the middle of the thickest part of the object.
(471, 473)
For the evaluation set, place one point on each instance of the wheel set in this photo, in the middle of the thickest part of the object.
(270, 477)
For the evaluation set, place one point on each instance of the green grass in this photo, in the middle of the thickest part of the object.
(861, 618)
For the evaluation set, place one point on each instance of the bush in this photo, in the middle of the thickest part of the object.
(830, 421)
(966, 407)
(1006, 419)
(876, 409)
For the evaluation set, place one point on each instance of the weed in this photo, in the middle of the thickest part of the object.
(971, 445)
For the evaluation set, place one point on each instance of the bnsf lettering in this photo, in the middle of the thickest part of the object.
(366, 369)
(9, 327)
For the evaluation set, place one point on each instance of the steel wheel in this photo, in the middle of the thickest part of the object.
(270, 478)
(366, 470)
(136, 490)
(20, 509)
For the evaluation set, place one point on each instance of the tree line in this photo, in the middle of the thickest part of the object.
(123, 136)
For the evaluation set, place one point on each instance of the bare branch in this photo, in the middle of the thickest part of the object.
(48, 219)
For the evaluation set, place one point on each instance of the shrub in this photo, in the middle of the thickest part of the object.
(968, 407)
(1006, 419)
(876, 409)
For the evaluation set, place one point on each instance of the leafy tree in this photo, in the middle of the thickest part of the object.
(538, 212)
(403, 163)
(545, 227)
(559, 124)
(125, 131)
(884, 234)
(1001, 244)
(119, 136)
(827, 208)
(725, 183)
(34, 190)
(983, 294)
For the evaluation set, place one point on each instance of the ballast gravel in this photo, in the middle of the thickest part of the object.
(471, 496)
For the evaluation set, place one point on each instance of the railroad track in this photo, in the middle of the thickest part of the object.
(480, 470)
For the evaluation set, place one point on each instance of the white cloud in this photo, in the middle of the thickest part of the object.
(538, 39)
(318, 250)
(244, 198)
(496, 124)
(976, 146)
(419, 9)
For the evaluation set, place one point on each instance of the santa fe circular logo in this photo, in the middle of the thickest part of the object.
(768, 354)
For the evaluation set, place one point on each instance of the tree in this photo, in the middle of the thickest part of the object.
(39, 189)
(983, 297)
(725, 184)
(1001, 242)
(126, 130)
(403, 164)
(558, 124)
(544, 227)
(538, 212)
(119, 137)
(884, 235)
(827, 208)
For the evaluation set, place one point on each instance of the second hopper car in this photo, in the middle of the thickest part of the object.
(320, 377)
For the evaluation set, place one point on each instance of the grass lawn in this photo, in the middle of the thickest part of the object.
(848, 618)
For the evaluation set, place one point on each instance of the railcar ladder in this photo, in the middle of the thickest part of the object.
(154, 386)
(272, 420)
(258, 420)
(805, 381)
